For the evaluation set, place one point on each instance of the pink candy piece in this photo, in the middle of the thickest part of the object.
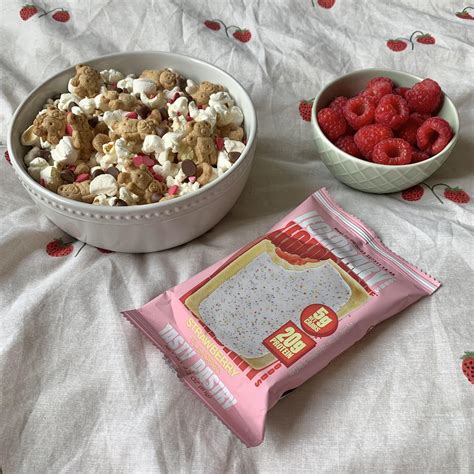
(69, 130)
(188, 118)
(143, 160)
(192, 179)
(220, 143)
(132, 115)
(157, 176)
(42, 182)
(82, 177)
(172, 190)
(113, 86)
(71, 167)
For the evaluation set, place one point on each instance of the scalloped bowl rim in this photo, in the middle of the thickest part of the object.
(23, 174)
(370, 164)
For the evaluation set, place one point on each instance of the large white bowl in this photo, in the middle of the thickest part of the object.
(366, 175)
(149, 227)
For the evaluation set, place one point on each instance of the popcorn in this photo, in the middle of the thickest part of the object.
(178, 107)
(66, 99)
(103, 200)
(110, 118)
(187, 188)
(126, 83)
(179, 124)
(31, 155)
(199, 115)
(156, 102)
(227, 112)
(167, 169)
(127, 196)
(64, 152)
(191, 87)
(145, 86)
(153, 144)
(87, 105)
(51, 178)
(111, 76)
(171, 140)
(104, 184)
(223, 163)
(35, 167)
(233, 145)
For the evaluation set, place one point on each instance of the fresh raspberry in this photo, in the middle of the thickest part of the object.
(359, 111)
(367, 137)
(425, 97)
(397, 45)
(393, 151)
(346, 143)
(408, 130)
(415, 193)
(332, 123)
(338, 104)
(433, 135)
(392, 111)
(417, 155)
(401, 91)
(377, 88)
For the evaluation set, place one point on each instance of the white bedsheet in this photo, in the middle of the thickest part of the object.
(83, 391)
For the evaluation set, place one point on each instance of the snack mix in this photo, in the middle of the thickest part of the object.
(118, 140)
(388, 125)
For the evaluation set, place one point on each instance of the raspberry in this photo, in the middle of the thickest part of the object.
(332, 123)
(417, 155)
(425, 97)
(338, 104)
(359, 112)
(377, 88)
(433, 135)
(392, 111)
(367, 137)
(401, 91)
(393, 151)
(408, 130)
(347, 144)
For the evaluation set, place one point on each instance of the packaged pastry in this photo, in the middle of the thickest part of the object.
(254, 326)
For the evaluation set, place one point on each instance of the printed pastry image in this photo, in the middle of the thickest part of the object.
(259, 292)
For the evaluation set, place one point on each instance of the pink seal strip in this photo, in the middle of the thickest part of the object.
(256, 325)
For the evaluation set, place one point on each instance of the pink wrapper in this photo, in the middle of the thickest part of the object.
(255, 325)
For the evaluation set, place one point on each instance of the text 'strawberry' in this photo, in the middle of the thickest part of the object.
(305, 107)
(425, 38)
(392, 110)
(457, 195)
(338, 104)
(213, 25)
(27, 11)
(433, 135)
(393, 151)
(359, 112)
(377, 88)
(415, 193)
(367, 137)
(401, 91)
(408, 130)
(397, 45)
(332, 123)
(417, 155)
(347, 144)
(425, 97)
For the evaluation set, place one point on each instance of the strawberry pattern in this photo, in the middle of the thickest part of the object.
(456, 194)
(400, 44)
(325, 3)
(27, 11)
(305, 107)
(240, 34)
(64, 246)
(7, 157)
(465, 14)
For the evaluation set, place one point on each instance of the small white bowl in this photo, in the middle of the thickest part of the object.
(366, 175)
(149, 227)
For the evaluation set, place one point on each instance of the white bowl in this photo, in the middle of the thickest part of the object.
(149, 227)
(366, 175)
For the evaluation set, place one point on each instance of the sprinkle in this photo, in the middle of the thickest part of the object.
(173, 190)
(192, 179)
(220, 143)
(132, 115)
(143, 160)
(82, 177)
(69, 130)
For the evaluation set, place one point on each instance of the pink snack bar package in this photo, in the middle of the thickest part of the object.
(255, 325)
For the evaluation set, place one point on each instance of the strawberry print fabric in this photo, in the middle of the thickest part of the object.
(82, 391)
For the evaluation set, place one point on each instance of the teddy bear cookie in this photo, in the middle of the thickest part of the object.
(118, 140)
